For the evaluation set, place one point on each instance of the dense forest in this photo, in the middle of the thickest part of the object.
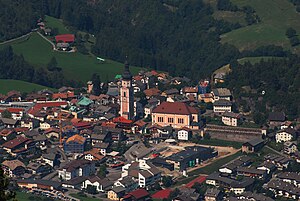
(267, 86)
(178, 36)
(17, 17)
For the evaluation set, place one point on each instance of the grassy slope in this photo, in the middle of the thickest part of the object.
(232, 17)
(254, 60)
(76, 66)
(21, 196)
(9, 85)
(56, 23)
(276, 16)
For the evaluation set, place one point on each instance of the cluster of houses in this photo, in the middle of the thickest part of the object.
(60, 140)
(241, 175)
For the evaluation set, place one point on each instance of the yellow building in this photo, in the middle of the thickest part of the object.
(116, 193)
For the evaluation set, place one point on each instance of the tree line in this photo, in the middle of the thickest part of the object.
(270, 85)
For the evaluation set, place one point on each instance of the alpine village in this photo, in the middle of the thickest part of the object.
(146, 134)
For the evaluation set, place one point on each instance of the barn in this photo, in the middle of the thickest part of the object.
(65, 38)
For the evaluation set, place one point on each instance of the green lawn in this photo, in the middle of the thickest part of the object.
(21, 196)
(232, 17)
(276, 16)
(9, 85)
(216, 165)
(56, 23)
(84, 198)
(76, 66)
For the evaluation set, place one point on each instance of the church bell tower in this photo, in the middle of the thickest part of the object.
(126, 94)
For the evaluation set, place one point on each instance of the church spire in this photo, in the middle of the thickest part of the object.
(126, 74)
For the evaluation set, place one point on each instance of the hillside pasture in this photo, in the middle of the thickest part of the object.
(276, 16)
(38, 52)
(7, 85)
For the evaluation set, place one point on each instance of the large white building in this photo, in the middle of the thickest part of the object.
(221, 94)
(142, 171)
(76, 168)
(285, 135)
(222, 106)
(230, 118)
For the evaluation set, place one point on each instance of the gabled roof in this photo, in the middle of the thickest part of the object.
(122, 120)
(289, 131)
(254, 142)
(152, 92)
(95, 153)
(76, 138)
(84, 101)
(175, 108)
(15, 142)
(222, 103)
(162, 194)
(13, 164)
(138, 194)
(75, 164)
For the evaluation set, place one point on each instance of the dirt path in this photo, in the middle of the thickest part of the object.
(14, 39)
(53, 45)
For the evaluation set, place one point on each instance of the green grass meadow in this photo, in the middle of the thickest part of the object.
(18, 85)
(254, 60)
(276, 16)
(76, 66)
(56, 23)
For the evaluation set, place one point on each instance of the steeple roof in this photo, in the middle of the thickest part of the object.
(126, 74)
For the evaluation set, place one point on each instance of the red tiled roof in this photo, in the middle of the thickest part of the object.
(6, 132)
(199, 180)
(140, 123)
(63, 95)
(109, 124)
(49, 130)
(137, 77)
(21, 129)
(39, 106)
(153, 72)
(66, 38)
(175, 108)
(152, 92)
(122, 120)
(138, 194)
(162, 194)
(81, 124)
(15, 142)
